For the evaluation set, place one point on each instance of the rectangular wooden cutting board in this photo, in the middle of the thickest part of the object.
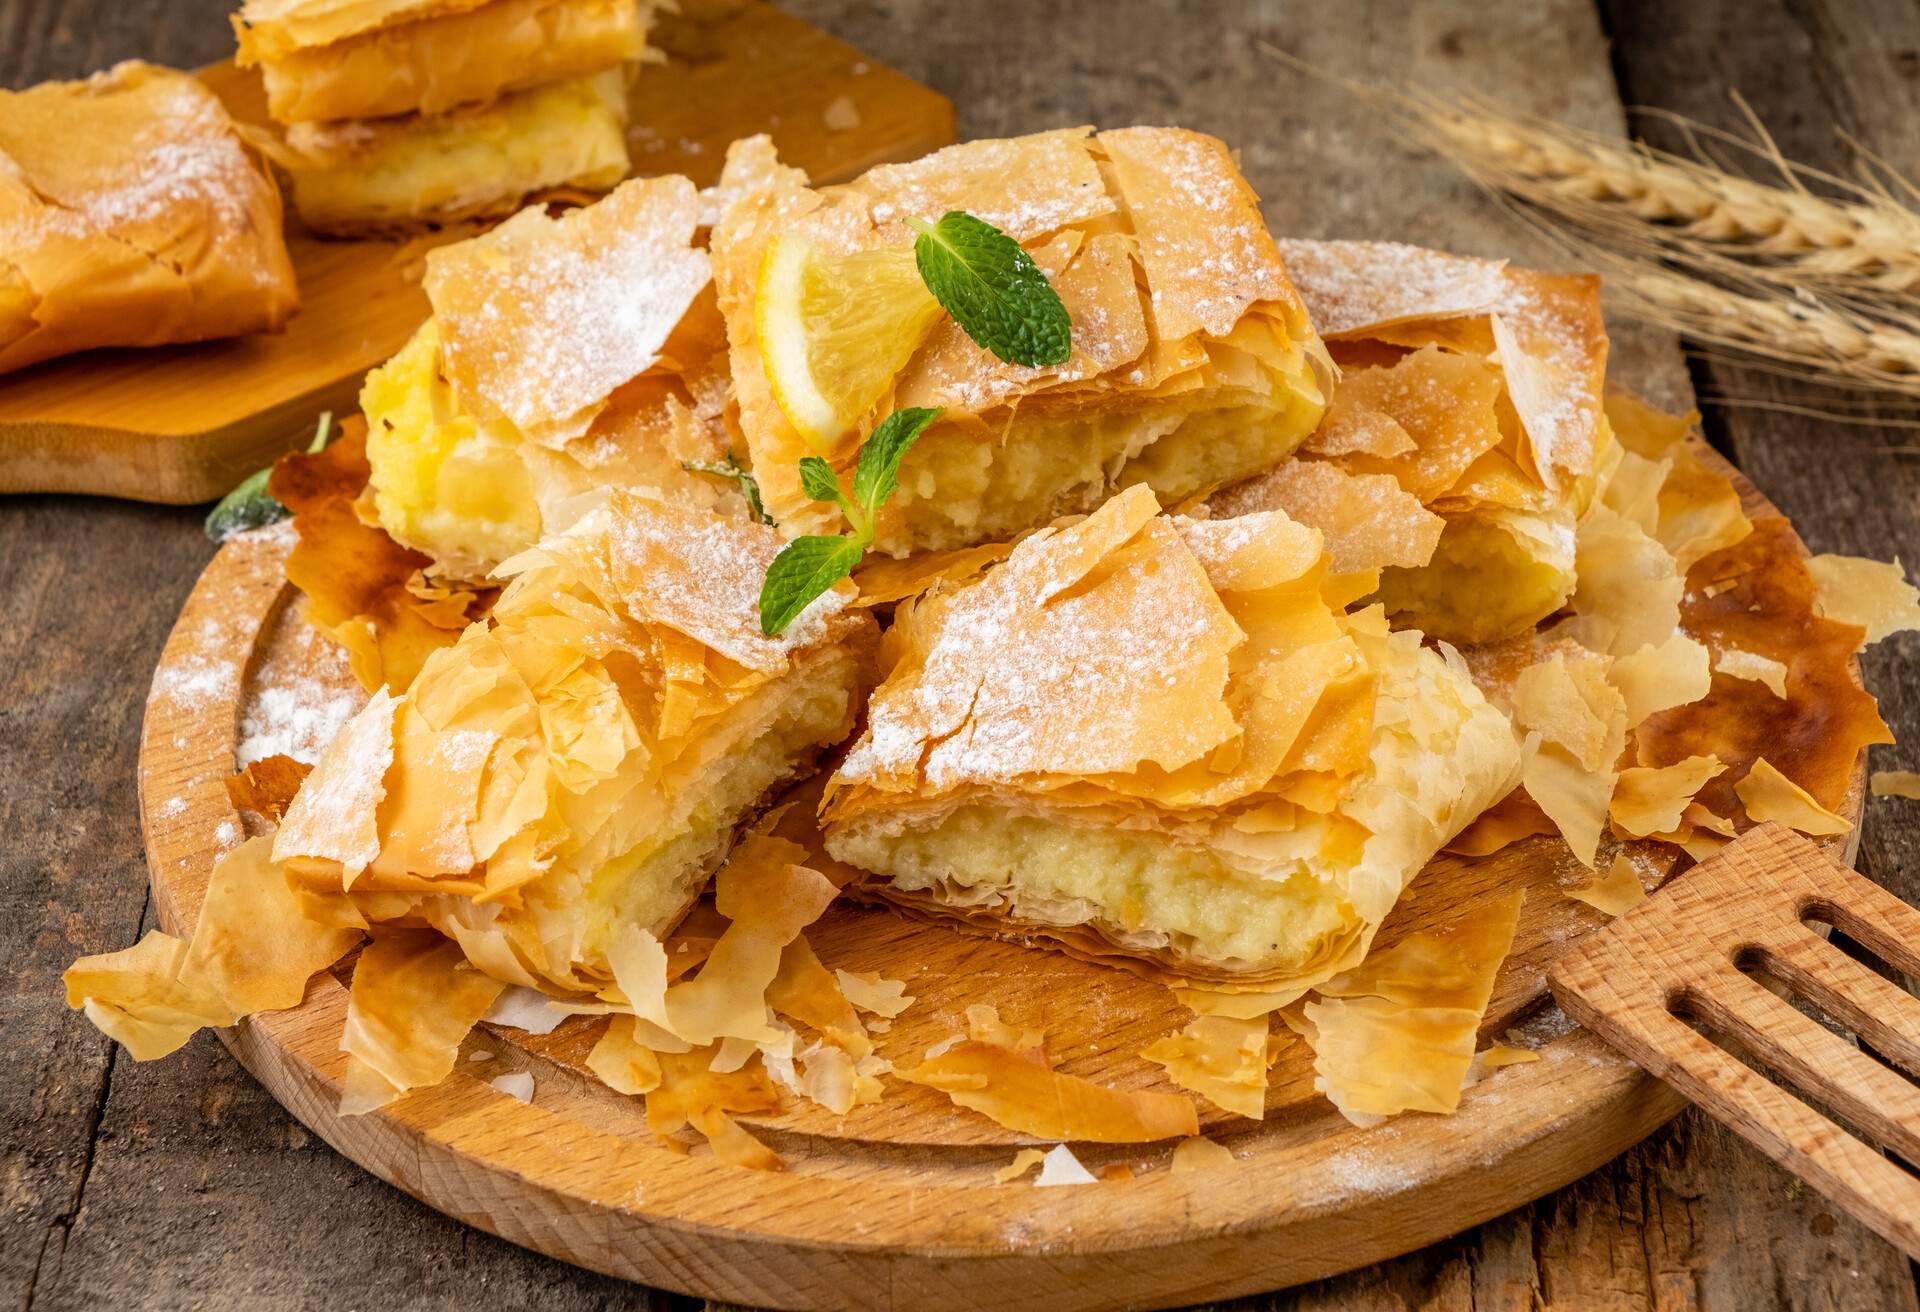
(183, 424)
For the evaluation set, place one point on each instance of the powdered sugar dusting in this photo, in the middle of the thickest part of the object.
(1350, 285)
(1025, 186)
(297, 699)
(544, 317)
(701, 573)
(1025, 659)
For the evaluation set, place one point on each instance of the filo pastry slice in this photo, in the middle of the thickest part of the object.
(564, 354)
(1192, 361)
(582, 761)
(321, 60)
(1161, 742)
(1465, 440)
(132, 213)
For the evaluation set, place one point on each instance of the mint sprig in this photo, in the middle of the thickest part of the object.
(250, 505)
(993, 289)
(731, 470)
(808, 566)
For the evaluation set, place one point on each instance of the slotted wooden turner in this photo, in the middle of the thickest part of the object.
(1695, 951)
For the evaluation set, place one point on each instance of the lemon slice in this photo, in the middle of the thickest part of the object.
(835, 330)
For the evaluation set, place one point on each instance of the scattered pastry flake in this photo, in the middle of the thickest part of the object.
(267, 786)
(769, 899)
(1737, 664)
(870, 993)
(1895, 783)
(693, 1094)
(1577, 726)
(1397, 1033)
(1199, 1154)
(253, 949)
(1488, 1060)
(1649, 799)
(806, 991)
(414, 1000)
(1698, 510)
(1443, 403)
(1630, 585)
(1004, 1074)
(1514, 817)
(840, 115)
(622, 1062)
(1661, 676)
(1221, 1059)
(364, 589)
(1023, 1161)
(1871, 594)
(1060, 1167)
(1769, 795)
(1614, 892)
(515, 1084)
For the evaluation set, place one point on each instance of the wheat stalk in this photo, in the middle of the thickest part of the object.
(1690, 211)
(1820, 284)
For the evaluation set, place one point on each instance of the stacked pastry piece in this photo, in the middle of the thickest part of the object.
(1463, 443)
(1192, 363)
(399, 113)
(132, 213)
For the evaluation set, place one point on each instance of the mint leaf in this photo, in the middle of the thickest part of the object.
(730, 469)
(878, 472)
(805, 568)
(818, 482)
(993, 289)
(250, 505)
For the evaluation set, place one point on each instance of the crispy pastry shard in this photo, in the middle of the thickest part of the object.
(564, 356)
(1397, 1033)
(1873, 594)
(1769, 795)
(1614, 893)
(329, 61)
(1004, 1074)
(1199, 1154)
(1221, 1059)
(266, 787)
(132, 213)
(1193, 362)
(1895, 783)
(1158, 742)
(1651, 799)
(415, 998)
(253, 949)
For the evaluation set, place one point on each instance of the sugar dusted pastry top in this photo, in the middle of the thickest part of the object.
(131, 213)
(1547, 329)
(542, 318)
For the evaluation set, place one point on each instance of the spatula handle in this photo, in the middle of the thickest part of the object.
(1673, 985)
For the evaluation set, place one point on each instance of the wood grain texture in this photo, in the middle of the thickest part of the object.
(183, 424)
(1686, 983)
(181, 1165)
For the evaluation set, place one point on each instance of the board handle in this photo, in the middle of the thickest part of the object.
(1694, 985)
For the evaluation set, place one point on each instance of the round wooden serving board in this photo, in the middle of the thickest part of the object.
(894, 1205)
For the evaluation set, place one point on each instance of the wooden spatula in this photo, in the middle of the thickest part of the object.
(1696, 952)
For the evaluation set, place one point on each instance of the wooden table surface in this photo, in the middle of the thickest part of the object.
(182, 1184)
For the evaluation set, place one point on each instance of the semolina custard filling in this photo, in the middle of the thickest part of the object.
(1139, 888)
